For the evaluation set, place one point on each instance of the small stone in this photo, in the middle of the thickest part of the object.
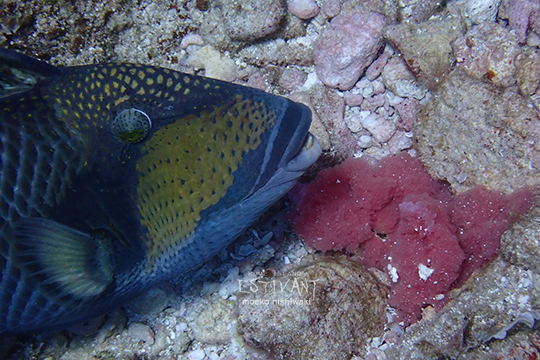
(257, 80)
(461, 178)
(378, 87)
(215, 64)
(208, 319)
(292, 79)
(353, 119)
(400, 81)
(383, 111)
(230, 284)
(393, 99)
(488, 52)
(116, 321)
(533, 39)
(528, 71)
(303, 9)
(331, 8)
(181, 342)
(480, 11)
(374, 102)
(141, 332)
(381, 129)
(213, 355)
(365, 141)
(426, 48)
(249, 20)
(399, 142)
(196, 355)
(233, 24)
(408, 113)
(522, 14)
(347, 47)
(366, 87)
(420, 10)
(191, 39)
(352, 99)
(374, 70)
(388, 8)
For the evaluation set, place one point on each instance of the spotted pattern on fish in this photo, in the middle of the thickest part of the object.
(204, 178)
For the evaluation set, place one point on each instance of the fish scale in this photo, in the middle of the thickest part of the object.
(117, 176)
(37, 160)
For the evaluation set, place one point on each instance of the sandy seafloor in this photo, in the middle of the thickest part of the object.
(461, 54)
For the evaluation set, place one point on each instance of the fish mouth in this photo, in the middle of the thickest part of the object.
(303, 148)
(291, 150)
(296, 149)
(306, 156)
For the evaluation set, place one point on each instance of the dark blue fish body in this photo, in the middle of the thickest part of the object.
(116, 176)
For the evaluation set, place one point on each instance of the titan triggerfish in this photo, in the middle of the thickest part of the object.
(117, 176)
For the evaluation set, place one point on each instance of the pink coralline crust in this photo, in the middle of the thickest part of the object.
(401, 221)
(522, 15)
(347, 47)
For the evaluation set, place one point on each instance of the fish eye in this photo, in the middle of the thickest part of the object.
(131, 126)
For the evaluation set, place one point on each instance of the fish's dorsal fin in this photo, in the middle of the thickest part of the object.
(19, 73)
(61, 261)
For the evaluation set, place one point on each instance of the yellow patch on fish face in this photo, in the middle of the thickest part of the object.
(188, 165)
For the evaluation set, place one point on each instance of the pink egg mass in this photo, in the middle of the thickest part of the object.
(405, 223)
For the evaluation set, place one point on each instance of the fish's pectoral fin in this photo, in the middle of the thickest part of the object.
(60, 260)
